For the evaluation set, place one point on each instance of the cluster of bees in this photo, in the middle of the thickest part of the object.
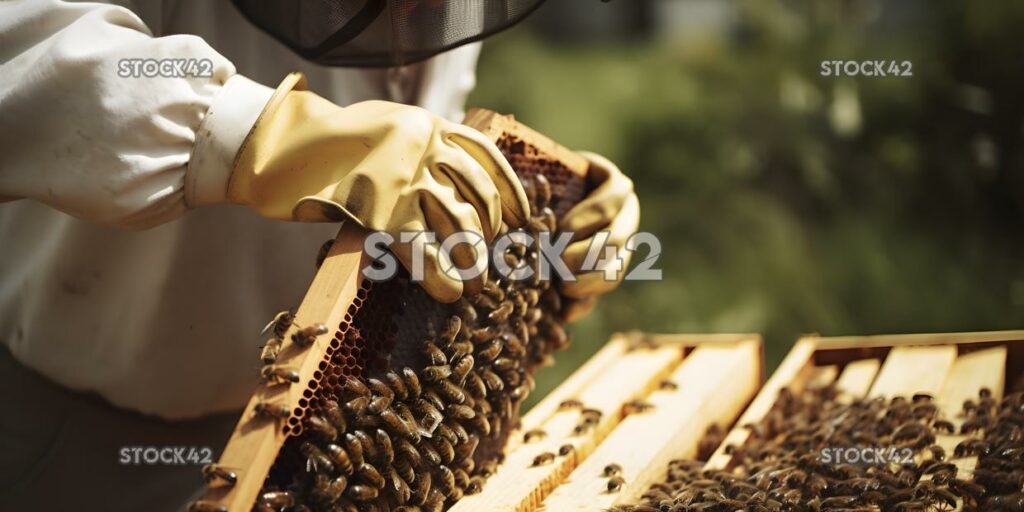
(780, 467)
(416, 436)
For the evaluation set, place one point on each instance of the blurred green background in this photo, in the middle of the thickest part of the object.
(788, 202)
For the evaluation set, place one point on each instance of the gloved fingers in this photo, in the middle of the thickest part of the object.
(514, 207)
(434, 281)
(474, 186)
(595, 280)
(599, 208)
(445, 213)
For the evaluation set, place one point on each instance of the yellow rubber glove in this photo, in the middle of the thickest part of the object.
(387, 166)
(612, 207)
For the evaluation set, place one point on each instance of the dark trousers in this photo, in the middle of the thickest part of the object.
(63, 450)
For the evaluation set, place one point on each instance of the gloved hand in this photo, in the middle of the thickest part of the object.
(387, 166)
(612, 206)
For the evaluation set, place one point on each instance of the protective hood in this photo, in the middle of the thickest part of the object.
(381, 33)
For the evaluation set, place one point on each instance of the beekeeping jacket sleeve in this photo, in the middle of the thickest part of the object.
(109, 124)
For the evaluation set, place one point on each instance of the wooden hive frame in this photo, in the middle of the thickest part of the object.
(255, 442)
(952, 367)
(715, 377)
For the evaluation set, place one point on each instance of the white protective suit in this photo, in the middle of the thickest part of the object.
(163, 320)
(108, 283)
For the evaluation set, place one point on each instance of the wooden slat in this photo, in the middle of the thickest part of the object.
(714, 383)
(579, 380)
(255, 442)
(788, 373)
(890, 340)
(916, 369)
(518, 485)
(856, 379)
(821, 376)
(970, 373)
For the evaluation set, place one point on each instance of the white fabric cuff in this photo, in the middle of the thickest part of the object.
(228, 121)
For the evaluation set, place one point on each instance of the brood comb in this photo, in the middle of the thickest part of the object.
(377, 397)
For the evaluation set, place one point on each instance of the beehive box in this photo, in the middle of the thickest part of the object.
(354, 360)
(639, 402)
(936, 400)
(952, 367)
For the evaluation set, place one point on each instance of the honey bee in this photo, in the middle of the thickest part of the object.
(405, 470)
(490, 351)
(446, 482)
(483, 334)
(307, 335)
(356, 386)
(321, 255)
(451, 391)
(215, 475)
(460, 411)
(437, 372)
(402, 489)
(475, 485)
(271, 349)
(272, 374)
(280, 324)
(408, 452)
(430, 454)
(321, 427)
(412, 382)
(484, 301)
(358, 404)
(371, 476)
(615, 484)
(206, 506)
(460, 349)
(612, 469)
(571, 403)
(316, 460)
(396, 384)
(422, 487)
(520, 393)
(451, 330)
(277, 499)
(503, 364)
(362, 492)
(269, 410)
(354, 448)
(340, 457)
(501, 313)
(534, 435)
(444, 449)
(369, 448)
(378, 404)
(434, 355)
(466, 311)
(637, 407)
(397, 424)
(543, 458)
(332, 413)
(475, 386)
(566, 449)
(385, 446)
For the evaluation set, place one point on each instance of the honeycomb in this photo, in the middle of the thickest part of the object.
(415, 399)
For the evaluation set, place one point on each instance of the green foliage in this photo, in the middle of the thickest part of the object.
(788, 202)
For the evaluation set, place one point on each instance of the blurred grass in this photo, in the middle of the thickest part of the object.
(788, 202)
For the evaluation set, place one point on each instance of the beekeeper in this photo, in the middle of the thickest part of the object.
(154, 159)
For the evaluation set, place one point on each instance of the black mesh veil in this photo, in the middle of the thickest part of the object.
(376, 33)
